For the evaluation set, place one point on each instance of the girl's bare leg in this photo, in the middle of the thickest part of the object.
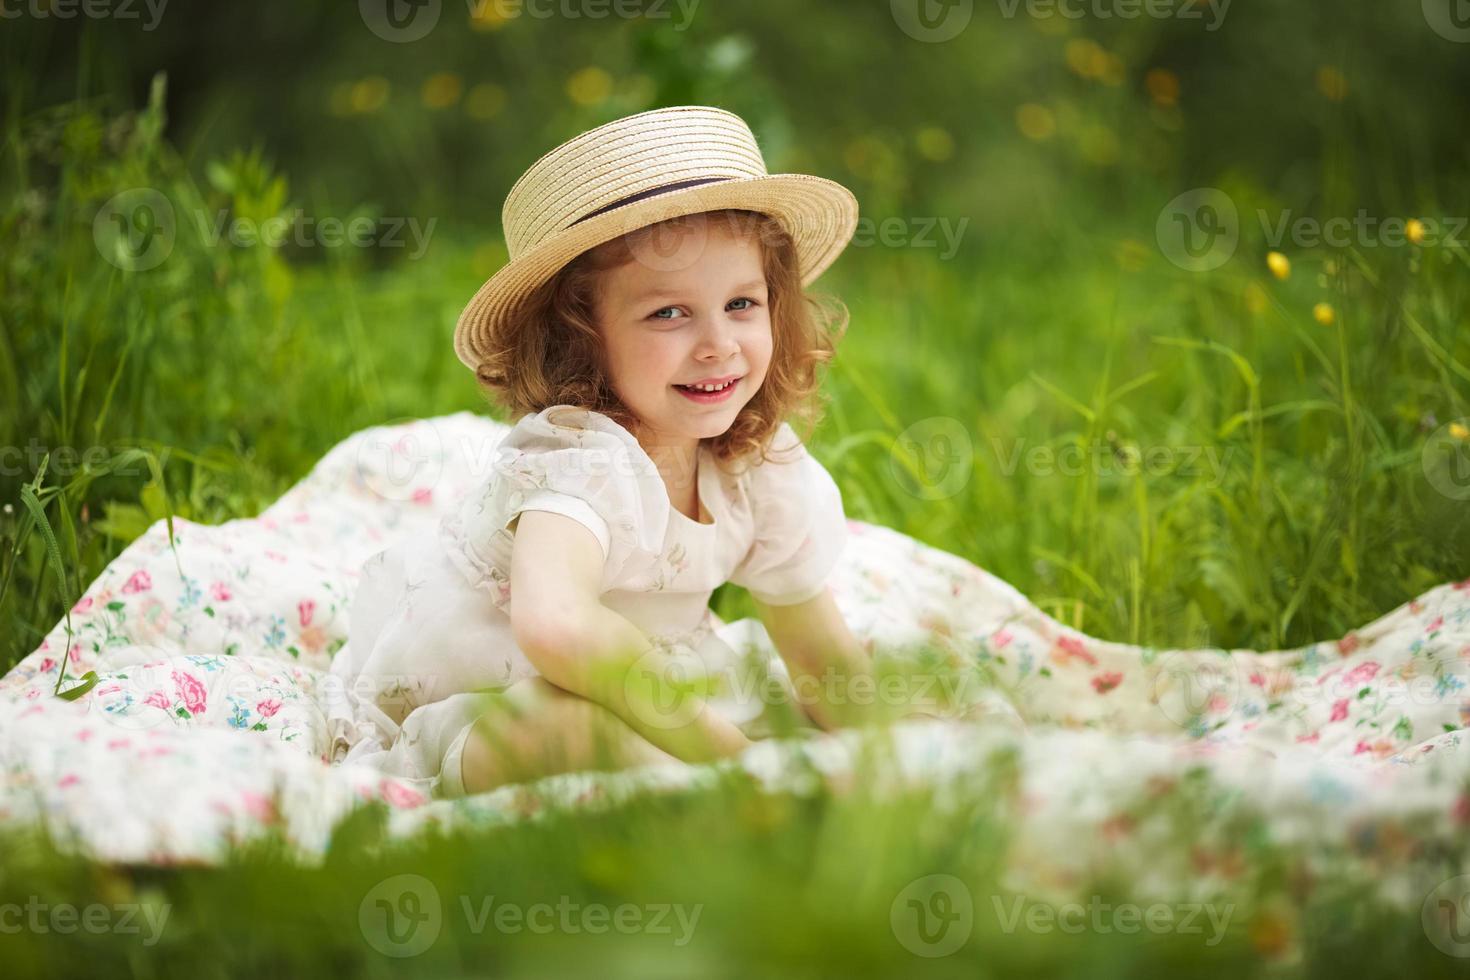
(535, 729)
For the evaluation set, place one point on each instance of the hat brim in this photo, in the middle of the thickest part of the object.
(821, 216)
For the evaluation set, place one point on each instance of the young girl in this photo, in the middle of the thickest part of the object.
(651, 334)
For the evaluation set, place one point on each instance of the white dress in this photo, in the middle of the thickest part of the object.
(430, 622)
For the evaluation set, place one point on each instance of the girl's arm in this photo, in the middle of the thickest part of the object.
(581, 646)
(824, 659)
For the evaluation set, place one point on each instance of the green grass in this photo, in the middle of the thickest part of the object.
(234, 370)
(781, 884)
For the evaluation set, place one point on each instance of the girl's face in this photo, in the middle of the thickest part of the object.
(683, 312)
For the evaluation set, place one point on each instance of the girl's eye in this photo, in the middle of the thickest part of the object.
(743, 299)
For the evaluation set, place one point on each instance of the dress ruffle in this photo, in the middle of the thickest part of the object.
(569, 452)
(424, 751)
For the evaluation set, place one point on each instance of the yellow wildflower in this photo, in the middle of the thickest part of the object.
(1162, 85)
(1255, 298)
(589, 86)
(441, 90)
(1035, 122)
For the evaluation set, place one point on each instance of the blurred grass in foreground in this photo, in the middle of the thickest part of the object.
(783, 884)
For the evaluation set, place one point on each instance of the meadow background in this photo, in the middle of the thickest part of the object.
(1067, 248)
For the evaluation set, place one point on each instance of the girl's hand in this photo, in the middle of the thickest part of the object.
(821, 655)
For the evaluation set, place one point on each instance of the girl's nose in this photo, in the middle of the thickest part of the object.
(719, 338)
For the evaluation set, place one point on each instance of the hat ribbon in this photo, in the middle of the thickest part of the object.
(663, 189)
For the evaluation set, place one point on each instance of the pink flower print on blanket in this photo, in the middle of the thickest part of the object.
(139, 581)
(236, 597)
(191, 693)
(254, 695)
(1069, 649)
(398, 795)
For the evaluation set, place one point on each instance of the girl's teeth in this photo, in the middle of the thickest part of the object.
(710, 387)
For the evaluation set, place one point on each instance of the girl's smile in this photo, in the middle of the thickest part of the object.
(710, 392)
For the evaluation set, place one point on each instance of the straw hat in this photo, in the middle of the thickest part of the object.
(636, 171)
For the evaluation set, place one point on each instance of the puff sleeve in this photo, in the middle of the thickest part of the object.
(568, 461)
(800, 526)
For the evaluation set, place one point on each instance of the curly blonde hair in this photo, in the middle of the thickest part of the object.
(551, 353)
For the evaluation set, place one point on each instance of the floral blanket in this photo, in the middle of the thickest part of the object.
(206, 724)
